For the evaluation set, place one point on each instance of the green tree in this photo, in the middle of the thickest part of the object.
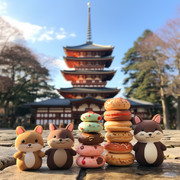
(152, 48)
(141, 77)
(23, 79)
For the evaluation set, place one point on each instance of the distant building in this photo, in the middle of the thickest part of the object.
(65, 111)
(88, 91)
(88, 77)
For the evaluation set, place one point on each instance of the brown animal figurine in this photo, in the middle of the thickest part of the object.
(148, 149)
(29, 145)
(60, 155)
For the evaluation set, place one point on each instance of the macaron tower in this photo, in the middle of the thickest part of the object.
(90, 149)
(118, 136)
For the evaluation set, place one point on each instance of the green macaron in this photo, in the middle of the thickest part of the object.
(90, 127)
(91, 117)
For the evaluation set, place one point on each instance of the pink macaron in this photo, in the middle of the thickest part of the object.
(90, 162)
(89, 150)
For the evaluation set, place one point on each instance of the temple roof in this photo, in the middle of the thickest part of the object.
(51, 102)
(67, 102)
(89, 46)
(89, 90)
(88, 72)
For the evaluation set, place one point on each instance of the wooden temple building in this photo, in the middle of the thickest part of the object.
(88, 91)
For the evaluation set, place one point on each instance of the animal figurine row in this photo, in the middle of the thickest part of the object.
(29, 145)
(148, 149)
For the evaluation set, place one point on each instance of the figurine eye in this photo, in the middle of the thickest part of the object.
(156, 129)
(67, 136)
(36, 140)
(54, 137)
(23, 141)
(142, 129)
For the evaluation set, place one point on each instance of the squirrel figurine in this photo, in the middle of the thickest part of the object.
(29, 145)
(60, 155)
(148, 149)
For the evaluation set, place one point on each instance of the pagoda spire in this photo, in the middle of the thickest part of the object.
(89, 25)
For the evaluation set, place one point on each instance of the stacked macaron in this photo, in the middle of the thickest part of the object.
(90, 149)
(118, 136)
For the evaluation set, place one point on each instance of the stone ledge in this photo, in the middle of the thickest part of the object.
(44, 173)
(170, 169)
(6, 161)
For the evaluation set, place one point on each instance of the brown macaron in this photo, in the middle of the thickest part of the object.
(91, 138)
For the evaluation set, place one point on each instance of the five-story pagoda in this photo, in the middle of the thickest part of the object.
(88, 77)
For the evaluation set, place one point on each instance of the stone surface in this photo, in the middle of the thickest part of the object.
(168, 170)
(172, 153)
(6, 161)
(43, 173)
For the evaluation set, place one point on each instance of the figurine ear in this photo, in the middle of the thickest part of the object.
(39, 129)
(157, 118)
(52, 127)
(20, 130)
(137, 120)
(70, 127)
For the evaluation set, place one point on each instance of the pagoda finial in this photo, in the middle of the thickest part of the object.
(89, 25)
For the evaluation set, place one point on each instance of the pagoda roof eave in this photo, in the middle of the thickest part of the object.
(89, 90)
(89, 46)
(73, 72)
(109, 58)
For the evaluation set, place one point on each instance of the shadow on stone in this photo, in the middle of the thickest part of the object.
(82, 174)
(166, 171)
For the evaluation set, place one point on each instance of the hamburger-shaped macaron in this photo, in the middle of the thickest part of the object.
(117, 104)
(118, 126)
(124, 159)
(118, 148)
(118, 136)
(117, 115)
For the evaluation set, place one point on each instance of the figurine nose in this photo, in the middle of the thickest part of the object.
(60, 139)
(150, 135)
(29, 145)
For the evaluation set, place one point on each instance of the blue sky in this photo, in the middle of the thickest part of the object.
(50, 25)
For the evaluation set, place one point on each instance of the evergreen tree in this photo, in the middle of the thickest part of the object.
(141, 74)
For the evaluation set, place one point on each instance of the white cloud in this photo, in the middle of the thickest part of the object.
(3, 7)
(45, 36)
(60, 36)
(61, 29)
(72, 35)
(60, 63)
(33, 32)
